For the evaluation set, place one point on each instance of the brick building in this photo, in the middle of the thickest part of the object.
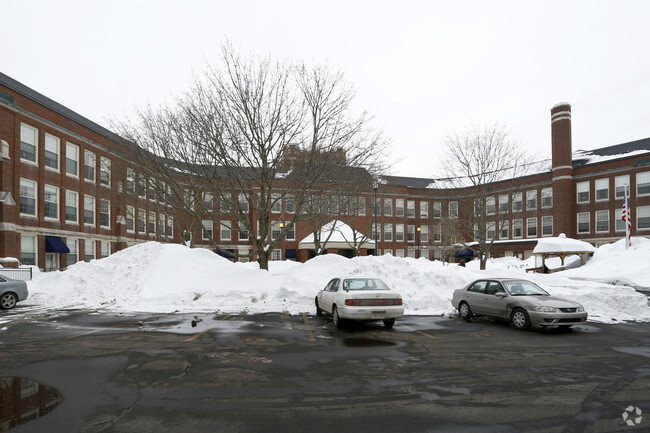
(68, 192)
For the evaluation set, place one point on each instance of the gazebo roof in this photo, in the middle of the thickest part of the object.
(338, 235)
(562, 245)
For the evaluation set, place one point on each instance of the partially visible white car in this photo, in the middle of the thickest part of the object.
(363, 299)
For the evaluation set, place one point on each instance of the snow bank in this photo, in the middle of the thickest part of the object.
(156, 277)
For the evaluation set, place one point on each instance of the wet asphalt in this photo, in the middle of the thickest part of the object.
(297, 373)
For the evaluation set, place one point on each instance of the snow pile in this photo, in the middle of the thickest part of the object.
(156, 277)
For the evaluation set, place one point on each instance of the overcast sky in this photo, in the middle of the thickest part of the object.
(423, 69)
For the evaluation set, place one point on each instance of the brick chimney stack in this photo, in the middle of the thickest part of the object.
(563, 189)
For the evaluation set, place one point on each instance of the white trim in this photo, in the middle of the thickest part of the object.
(561, 167)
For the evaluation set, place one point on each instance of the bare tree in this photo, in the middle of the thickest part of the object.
(251, 134)
(475, 161)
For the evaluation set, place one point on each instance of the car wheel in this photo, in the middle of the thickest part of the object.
(336, 320)
(520, 319)
(465, 311)
(319, 312)
(7, 301)
(388, 323)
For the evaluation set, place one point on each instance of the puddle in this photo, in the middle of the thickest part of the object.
(23, 400)
(366, 342)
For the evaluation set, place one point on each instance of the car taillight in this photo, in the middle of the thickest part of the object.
(352, 302)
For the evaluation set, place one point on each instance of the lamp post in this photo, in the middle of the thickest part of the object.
(418, 229)
(281, 241)
(375, 187)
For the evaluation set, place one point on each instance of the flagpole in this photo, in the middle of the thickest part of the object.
(627, 218)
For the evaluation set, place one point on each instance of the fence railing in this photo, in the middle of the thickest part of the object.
(24, 274)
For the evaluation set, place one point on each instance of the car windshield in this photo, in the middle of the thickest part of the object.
(364, 284)
(524, 288)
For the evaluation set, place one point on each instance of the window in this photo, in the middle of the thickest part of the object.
(410, 253)
(491, 230)
(104, 213)
(583, 222)
(207, 201)
(643, 183)
(142, 186)
(207, 229)
(161, 224)
(547, 198)
(89, 210)
(104, 171)
(602, 189)
(399, 253)
(424, 209)
(130, 219)
(410, 208)
(602, 221)
(388, 207)
(410, 233)
(28, 143)
(642, 218)
(243, 231)
(105, 249)
(290, 204)
(170, 227)
(142, 221)
(490, 206)
(582, 189)
(151, 191)
(517, 228)
(51, 202)
(291, 232)
(453, 209)
(504, 232)
(130, 181)
(161, 191)
(89, 166)
(504, 203)
(71, 206)
(28, 250)
(27, 197)
(399, 232)
(531, 199)
(437, 234)
(72, 256)
(362, 206)
(547, 226)
(225, 230)
(437, 209)
(376, 230)
(243, 203)
(152, 223)
(52, 152)
(89, 252)
(620, 224)
(620, 183)
(276, 254)
(424, 234)
(388, 232)
(399, 207)
(275, 230)
(72, 160)
(276, 203)
(517, 204)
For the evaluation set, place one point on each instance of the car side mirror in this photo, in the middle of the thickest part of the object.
(500, 294)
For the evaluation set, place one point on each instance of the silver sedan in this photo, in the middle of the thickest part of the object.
(521, 302)
(11, 291)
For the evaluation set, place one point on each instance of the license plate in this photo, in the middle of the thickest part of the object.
(378, 315)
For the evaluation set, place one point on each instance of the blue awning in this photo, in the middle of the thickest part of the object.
(465, 253)
(54, 244)
(291, 254)
(228, 253)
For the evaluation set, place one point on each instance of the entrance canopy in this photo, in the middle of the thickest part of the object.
(339, 235)
(54, 244)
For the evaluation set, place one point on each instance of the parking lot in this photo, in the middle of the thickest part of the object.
(108, 372)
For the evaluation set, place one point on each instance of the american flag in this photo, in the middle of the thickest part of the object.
(628, 220)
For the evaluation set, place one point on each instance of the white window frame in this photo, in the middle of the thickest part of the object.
(105, 209)
(28, 245)
(424, 209)
(90, 158)
(72, 196)
(388, 232)
(141, 225)
(130, 216)
(490, 206)
(517, 224)
(410, 208)
(89, 205)
(602, 215)
(643, 181)
(105, 171)
(547, 197)
(599, 186)
(70, 149)
(399, 232)
(29, 141)
(643, 212)
(89, 245)
(152, 220)
(517, 202)
(504, 229)
(504, 203)
(207, 233)
(531, 199)
(437, 209)
(620, 182)
(545, 225)
(388, 207)
(28, 185)
(585, 216)
(51, 191)
(399, 207)
(225, 230)
(52, 145)
(453, 209)
(583, 188)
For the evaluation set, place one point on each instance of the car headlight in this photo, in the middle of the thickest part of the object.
(544, 309)
(581, 308)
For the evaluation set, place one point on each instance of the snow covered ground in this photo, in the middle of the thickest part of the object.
(155, 277)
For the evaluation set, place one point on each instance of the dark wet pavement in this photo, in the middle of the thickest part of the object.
(296, 373)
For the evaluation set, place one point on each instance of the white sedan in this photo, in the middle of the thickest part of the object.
(363, 299)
